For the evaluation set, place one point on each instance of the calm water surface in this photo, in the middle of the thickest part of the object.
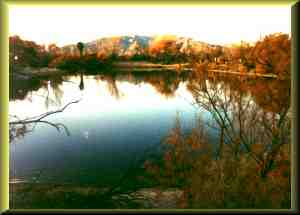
(117, 118)
(114, 122)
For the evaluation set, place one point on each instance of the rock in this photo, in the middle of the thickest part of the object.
(157, 198)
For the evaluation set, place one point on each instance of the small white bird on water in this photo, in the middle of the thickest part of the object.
(86, 134)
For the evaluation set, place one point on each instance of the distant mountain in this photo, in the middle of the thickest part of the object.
(131, 45)
(121, 45)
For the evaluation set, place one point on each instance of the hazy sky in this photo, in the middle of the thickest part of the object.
(220, 25)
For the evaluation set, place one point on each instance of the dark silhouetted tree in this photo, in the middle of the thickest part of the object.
(80, 47)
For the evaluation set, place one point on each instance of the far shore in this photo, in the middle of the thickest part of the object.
(127, 66)
(131, 66)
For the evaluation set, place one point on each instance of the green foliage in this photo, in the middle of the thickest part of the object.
(93, 64)
(141, 57)
(71, 64)
(88, 63)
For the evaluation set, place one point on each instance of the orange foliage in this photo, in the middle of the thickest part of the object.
(259, 68)
(216, 183)
(242, 68)
(102, 55)
(162, 44)
(54, 49)
(273, 54)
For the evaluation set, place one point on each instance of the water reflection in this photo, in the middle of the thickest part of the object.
(230, 95)
(243, 127)
(166, 84)
(81, 85)
(251, 158)
(240, 119)
(119, 115)
(112, 86)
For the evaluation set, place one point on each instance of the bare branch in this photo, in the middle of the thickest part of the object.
(42, 116)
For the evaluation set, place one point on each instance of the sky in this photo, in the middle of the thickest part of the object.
(216, 25)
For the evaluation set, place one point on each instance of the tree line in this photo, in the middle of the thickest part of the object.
(272, 54)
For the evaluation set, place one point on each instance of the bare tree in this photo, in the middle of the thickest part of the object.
(242, 123)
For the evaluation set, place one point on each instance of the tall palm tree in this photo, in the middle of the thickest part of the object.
(80, 47)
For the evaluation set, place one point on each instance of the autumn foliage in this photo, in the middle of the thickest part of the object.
(163, 44)
(189, 163)
(272, 54)
(24, 53)
(165, 49)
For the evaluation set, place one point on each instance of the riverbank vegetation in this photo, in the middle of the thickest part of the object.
(224, 176)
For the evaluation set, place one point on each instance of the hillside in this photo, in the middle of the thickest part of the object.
(128, 46)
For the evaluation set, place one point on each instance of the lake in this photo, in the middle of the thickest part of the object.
(117, 118)
(114, 121)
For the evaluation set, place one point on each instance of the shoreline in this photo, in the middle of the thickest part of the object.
(128, 66)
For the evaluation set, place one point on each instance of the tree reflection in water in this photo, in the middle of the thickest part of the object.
(21, 89)
(243, 122)
(81, 85)
(112, 87)
(165, 84)
(249, 167)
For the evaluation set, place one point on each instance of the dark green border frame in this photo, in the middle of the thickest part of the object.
(4, 146)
